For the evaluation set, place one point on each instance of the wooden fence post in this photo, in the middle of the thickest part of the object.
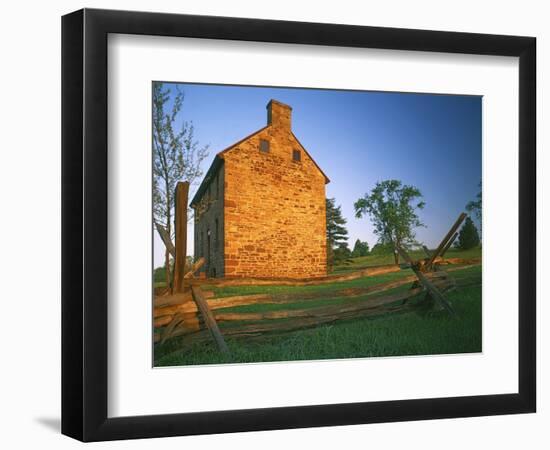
(166, 239)
(182, 192)
(209, 319)
(448, 236)
(196, 266)
(433, 291)
(448, 246)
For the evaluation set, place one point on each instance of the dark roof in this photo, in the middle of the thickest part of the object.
(216, 164)
(210, 174)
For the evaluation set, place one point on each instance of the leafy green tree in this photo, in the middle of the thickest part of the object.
(337, 233)
(159, 274)
(475, 205)
(381, 249)
(468, 236)
(177, 156)
(360, 249)
(342, 253)
(392, 208)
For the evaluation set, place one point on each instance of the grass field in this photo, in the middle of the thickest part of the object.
(421, 332)
(376, 260)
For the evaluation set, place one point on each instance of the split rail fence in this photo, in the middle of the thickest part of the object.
(187, 309)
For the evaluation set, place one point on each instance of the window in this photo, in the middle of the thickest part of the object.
(264, 146)
(296, 155)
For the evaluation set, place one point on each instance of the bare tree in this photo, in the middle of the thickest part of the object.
(177, 156)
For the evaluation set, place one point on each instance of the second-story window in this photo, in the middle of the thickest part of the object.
(296, 155)
(264, 146)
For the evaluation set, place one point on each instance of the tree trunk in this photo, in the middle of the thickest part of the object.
(395, 245)
(180, 240)
(167, 257)
(396, 257)
(169, 231)
(167, 266)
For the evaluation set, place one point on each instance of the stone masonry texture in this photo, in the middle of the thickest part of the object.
(209, 227)
(274, 218)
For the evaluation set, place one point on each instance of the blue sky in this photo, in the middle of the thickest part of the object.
(358, 138)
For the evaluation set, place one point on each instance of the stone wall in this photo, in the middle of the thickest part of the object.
(209, 216)
(274, 219)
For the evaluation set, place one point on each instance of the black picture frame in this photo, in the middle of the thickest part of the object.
(84, 224)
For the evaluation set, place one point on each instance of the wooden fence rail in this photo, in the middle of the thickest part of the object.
(185, 308)
(183, 303)
(367, 272)
(261, 323)
(187, 318)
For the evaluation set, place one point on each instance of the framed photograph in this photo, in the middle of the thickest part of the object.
(273, 224)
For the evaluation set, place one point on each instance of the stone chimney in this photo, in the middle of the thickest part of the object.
(279, 115)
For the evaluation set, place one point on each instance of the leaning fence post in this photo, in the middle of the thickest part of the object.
(448, 236)
(209, 319)
(448, 246)
(434, 292)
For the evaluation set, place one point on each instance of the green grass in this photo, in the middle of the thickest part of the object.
(376, 260)
(353, 264)
(359, 282)
(422, 332)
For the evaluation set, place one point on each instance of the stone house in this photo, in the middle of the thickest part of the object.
(260, 210)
